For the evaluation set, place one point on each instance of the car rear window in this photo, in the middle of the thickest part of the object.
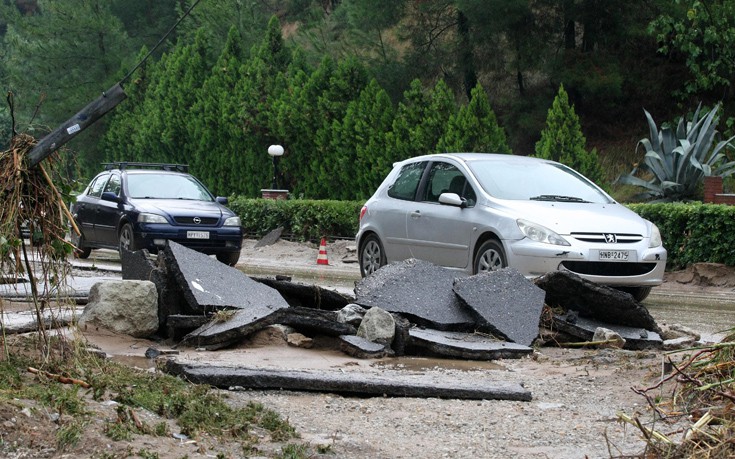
(407, 181)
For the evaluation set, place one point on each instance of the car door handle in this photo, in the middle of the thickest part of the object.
(416, 214)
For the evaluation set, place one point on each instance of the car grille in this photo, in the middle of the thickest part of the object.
(620, 238)
(607, 268)
(205, 221)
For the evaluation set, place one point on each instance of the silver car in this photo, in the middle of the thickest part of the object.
(477, 212)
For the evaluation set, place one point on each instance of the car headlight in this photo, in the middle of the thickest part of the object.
(655, 237)
(151, 218)
(232, 221)
(540, 233)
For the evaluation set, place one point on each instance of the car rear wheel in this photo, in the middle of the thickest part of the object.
(490, 257)
(80, 251)
(372, 256)
(229, 258)
(639, 293)
(127, 241)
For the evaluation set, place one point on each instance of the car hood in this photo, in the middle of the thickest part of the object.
(566, 218)
(180, 207)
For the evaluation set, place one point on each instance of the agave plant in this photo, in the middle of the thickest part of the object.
(676, 161)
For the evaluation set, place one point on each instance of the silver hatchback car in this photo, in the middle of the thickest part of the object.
(479, 211)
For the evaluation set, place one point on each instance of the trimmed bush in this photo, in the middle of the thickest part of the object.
(693, 232)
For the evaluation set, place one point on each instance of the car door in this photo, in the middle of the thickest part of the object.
(393, 209)
(437, 232)
(86, 208)
(108, 213)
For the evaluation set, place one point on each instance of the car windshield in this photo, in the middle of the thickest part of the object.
(166, 186)
(537, 181)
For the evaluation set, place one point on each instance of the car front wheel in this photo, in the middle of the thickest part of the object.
(372, 256)
(127, 241)
(230, 258)
(490, 257)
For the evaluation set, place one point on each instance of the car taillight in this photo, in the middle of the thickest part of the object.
(362, 212)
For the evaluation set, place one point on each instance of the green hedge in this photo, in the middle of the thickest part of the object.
(693, 232)
(305, 220)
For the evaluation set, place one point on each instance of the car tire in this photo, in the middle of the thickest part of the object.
(80, 251)
(372, 256)
(229, 258)
(127, 240)
(490, 257)
(638, 293)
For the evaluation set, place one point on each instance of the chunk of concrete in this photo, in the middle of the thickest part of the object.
(505, 303)
(571, 292)
(377, 326)
(636, 338)
(351, 314)
(209, 285)
(608, 338)
(470, 346)
(360, 384)
(418, 290)
(129, 307)
(270, 238)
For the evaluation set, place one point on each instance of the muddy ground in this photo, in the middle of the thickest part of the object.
(577, 393)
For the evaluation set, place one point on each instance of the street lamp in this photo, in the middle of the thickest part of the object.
(275, 151)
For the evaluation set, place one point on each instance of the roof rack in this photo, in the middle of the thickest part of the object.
(163, 166)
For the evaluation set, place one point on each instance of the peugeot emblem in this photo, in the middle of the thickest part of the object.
(610, 238)
(197, 220)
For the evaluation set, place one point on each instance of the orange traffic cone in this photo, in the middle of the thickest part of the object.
(322, 258)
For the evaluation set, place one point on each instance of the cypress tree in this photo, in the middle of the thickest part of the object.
(562, 139)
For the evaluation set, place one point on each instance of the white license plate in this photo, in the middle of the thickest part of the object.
(197, 234)
(614, 255)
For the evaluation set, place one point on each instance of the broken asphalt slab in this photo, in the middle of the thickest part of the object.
(307, 295)
(348, 383)
(636, 338)
(209, 285)
(419, 290)
(471, 346)
(594, 301)
(504, 302)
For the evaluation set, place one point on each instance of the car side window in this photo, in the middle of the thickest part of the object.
(447, 178)
(114, 185)
(95, 189)
(407, 181)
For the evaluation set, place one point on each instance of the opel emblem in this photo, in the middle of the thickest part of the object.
(610, 238)
(197, 220)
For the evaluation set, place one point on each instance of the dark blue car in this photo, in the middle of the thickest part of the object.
(141, 205)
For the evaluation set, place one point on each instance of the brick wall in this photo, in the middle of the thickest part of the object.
(713, 192)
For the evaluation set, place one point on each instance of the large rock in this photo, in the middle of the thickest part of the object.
(129, 307)
(505, 303)
(378, 326)
(418, 290)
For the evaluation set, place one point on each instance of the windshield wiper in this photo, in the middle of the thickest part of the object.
(556, 197)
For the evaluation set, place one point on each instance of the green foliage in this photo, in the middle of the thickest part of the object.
(304, 219)
(704, 33)
(562, 139)
(677, 160)
(474, 128)
(693, 232)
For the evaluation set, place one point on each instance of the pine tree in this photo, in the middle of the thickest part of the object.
(562, 139)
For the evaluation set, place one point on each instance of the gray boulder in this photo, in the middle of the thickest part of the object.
(378, 326)
(129, 307)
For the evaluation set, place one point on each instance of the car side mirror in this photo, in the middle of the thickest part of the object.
(110, 196)
(452, 199)
(222, 200)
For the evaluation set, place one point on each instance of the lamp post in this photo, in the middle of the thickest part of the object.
(275, 151)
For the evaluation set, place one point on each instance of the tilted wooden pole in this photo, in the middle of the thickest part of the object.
(76, 124)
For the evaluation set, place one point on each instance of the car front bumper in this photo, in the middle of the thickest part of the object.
(226, 239)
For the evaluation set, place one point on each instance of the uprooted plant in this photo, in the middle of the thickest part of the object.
(700, 408)
(32, 206)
